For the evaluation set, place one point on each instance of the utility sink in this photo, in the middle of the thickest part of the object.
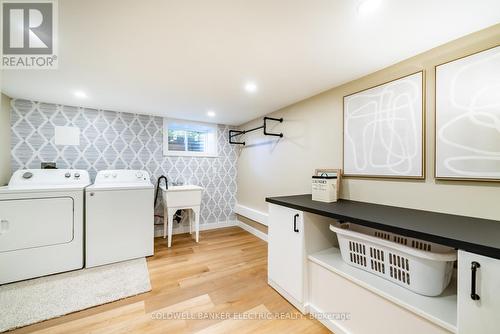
(181, 196)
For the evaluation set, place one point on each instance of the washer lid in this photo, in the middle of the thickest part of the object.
(48, 179)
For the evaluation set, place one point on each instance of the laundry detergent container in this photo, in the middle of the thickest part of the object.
(420, 266)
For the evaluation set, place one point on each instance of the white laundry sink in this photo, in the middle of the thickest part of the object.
(181, 196)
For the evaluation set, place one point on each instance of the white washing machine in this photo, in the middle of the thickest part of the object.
(41, 223)
(119, 217)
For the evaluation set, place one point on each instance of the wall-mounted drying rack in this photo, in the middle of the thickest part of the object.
(235, 133)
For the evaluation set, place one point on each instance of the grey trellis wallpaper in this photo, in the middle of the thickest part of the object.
(113, 140)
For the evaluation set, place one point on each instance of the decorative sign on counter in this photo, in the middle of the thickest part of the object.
(324, 188)
(326, 185)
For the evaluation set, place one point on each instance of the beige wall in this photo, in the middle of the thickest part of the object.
(313, 139)
(4, 139)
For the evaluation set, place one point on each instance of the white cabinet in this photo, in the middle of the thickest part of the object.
(286, 253)
(292, 236)
(479, 313)
(328, 284)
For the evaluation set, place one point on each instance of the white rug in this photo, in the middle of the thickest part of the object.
(44, 298)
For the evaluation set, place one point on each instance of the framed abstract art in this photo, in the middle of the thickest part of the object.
(384, 130)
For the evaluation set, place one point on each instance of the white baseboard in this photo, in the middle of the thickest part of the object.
(330, 324)
(185, 229)
(253, 230)
(203, 227)
(255, 215)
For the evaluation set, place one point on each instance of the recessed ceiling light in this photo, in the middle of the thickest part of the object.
(367, 6)
(251, 87)
(80, 94)
(211, 113)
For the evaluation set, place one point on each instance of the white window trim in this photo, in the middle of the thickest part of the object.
(213, 152)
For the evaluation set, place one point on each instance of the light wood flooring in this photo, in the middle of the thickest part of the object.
(224, 276)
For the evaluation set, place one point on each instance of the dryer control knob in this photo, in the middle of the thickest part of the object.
(27, 175)
(67, 175)
(77, 175)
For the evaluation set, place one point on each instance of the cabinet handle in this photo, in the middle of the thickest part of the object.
(473, 268)
(295, 229)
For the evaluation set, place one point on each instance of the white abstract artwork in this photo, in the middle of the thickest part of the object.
(383, 130)
(468, 117)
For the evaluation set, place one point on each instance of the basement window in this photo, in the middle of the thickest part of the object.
(184, 138)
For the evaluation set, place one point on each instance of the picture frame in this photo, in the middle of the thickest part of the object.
(474, 155)
(414, 84)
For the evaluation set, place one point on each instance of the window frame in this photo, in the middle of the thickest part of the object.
(211, 145)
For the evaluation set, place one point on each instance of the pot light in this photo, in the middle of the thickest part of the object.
(367, 6)
(211, 113)
(80, 94)
(251, 87)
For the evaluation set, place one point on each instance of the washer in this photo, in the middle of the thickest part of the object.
(119, 217)
(41, 223)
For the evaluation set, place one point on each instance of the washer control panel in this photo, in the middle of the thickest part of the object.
(122, 176)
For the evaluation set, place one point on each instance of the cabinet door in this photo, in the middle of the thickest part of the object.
(286, 250)
(480, 315)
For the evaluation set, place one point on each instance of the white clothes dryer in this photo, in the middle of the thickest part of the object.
(41, 223)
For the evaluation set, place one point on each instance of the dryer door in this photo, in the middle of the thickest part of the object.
(30, 223)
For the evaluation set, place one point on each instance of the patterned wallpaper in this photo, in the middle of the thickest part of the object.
(113, 140)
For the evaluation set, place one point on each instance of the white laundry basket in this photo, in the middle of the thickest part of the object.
(420, 266)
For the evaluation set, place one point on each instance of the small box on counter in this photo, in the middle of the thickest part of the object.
(326, 185)
(324, 188)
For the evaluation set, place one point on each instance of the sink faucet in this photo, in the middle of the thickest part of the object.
(163, 177)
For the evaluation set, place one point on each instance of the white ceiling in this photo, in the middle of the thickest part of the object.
(180, 58)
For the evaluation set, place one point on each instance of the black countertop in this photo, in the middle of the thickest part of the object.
(476, 235)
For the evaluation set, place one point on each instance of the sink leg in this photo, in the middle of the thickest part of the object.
(165, 222)
(190, 218)
(171, 214)
(197, 222)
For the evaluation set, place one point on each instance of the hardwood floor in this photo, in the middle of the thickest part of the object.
(224, 277)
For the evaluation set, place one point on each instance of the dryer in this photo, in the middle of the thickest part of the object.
(119, 217)
(41, 223)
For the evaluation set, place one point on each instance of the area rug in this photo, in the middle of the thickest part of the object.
(27, 302)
